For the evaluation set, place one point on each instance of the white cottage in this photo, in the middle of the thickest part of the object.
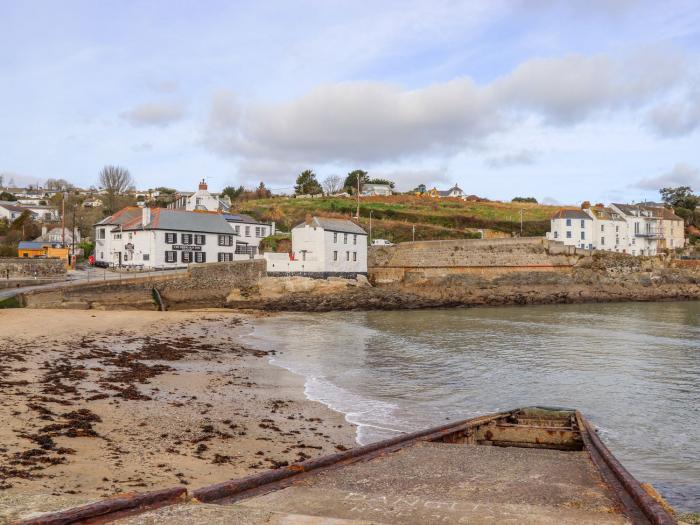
(323, 247)
(201, 200)
(161, 238)
(573, 228)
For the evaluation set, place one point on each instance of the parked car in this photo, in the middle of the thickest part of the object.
(381, 242)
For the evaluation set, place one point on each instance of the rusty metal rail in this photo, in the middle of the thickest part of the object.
(633, 499)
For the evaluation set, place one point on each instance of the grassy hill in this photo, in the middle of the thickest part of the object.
(393, 217)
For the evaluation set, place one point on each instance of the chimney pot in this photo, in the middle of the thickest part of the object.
(203, 185)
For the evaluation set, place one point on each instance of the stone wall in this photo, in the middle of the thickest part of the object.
(468, 256)
(205, 285)
(19, 267)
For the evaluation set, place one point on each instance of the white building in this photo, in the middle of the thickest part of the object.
(200, 200)
(623, 228)
(249, 230)
(9, 210)
(374, 190)
(43, 213)
(323, 247)
(161, 238)
(573, 228)
(58, 235)
(454, 191)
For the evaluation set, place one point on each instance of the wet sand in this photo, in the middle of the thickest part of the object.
(96, 403)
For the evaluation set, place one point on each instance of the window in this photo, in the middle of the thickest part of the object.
(633, 241)
(101, 233)
(102, 255)
(170, 257)
(602, 241)
(556, 234)
(354, 239)
(335, 256)
(602, 227)
(200, 239)
(237, 229)
(347, 256)
(568, 222)
(258, 231)
(130, 235)
(186, 257)
(636, 227)
(170, 238)
(225, 240)
(568, 235)
(146, 257)
(345, 238)
(117, 235)
(200, 257)
(617, 229)
(247, 231)
(186, 238)
(354, 256)
(583, 235)
(583, 223)
(225, 257)
(335, 237)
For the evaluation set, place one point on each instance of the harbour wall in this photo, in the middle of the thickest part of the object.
(28, 268)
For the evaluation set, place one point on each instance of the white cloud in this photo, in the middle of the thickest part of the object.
(681, 175)
(675, 119)
(154, 114)
(374, 122)
(521, 158)
(143, 147)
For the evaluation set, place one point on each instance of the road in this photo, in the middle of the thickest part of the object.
(75, 277)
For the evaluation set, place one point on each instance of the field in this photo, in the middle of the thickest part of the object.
(394, 217)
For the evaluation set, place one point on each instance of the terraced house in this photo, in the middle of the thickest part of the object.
(162, 238)
(624, 228)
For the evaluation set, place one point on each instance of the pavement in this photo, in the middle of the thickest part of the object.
(86, 275)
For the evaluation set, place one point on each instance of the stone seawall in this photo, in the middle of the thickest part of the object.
(204, 285)
(20, 267)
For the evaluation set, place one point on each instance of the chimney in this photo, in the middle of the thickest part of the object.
(203, 185)
(145, 216)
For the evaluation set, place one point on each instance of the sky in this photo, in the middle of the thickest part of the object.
(564, 101)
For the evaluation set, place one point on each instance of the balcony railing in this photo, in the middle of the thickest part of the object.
(650, 234)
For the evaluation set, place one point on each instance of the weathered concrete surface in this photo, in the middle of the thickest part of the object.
(428, 483)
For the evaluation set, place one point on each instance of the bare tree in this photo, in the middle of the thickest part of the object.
(115, 180)
(58, 184)
(332, 184)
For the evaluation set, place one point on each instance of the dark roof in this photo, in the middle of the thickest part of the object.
(241, 217)
(12, 207)
(657, 212)
(606, 214)
(122, 216)
(335, 225)
(178, 220)
(571, 214)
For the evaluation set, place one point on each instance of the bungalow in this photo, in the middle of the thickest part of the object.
(375, 190)
(9, 210)
(322, 247)
(31, 249)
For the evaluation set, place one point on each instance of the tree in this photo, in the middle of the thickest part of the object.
(262, 192)
(233, 193)
(307, 184)
(381, 181)
(116, 181)
(58, 184)
(421, 188)
(2, 178)
(332, 184)
(4, 196)
(534, 200)
(350, 183)
(680, 197)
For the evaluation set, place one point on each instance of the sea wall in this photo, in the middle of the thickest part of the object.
(20, 267)
(204, 285)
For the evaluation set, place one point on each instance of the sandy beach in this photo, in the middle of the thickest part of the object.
(95, 403)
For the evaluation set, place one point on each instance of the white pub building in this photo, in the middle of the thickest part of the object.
(163, 238)
(322, 247)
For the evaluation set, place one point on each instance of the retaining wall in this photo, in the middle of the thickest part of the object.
(20, 267)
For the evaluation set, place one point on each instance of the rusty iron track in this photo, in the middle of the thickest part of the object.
(634, 500)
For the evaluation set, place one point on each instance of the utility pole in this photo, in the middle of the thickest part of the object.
(63, 219)
(358, 197)
(414, 233)
(72, 250)
(521, 222)
(370, 226)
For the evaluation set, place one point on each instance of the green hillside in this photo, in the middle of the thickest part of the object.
(393, 217)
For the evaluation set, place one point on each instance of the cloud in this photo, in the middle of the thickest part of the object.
(154, 114)
(681, 175)
(524, 157)
(373, 122)
(675, 119)
(143, 147)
